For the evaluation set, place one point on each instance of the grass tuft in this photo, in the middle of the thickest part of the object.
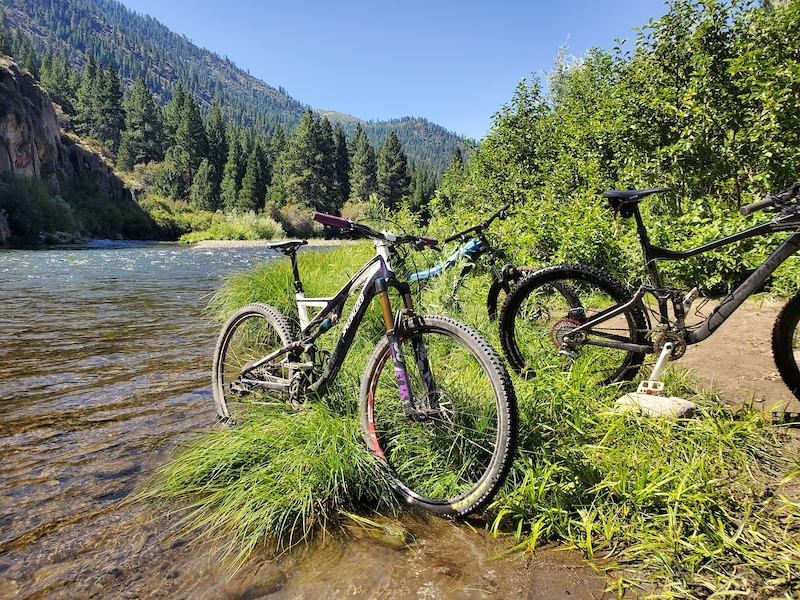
(279, 477)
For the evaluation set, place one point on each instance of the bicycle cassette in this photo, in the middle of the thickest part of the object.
(560, 329)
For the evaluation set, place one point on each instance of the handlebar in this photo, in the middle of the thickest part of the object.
(755, 206)
(778, 200)
(416, 241)
(500, 214)
(332, 220)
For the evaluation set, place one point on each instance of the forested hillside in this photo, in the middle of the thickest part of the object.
(140, 46)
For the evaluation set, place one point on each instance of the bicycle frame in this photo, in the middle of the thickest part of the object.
(373, 279)
(472, 249)
(652, 254)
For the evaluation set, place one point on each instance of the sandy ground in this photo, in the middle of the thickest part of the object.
(736, 361)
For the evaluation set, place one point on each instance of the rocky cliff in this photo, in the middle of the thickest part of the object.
(32, 143)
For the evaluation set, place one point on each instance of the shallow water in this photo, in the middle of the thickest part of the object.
(104, 370)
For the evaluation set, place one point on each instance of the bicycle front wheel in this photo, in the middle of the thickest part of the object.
(786, 344)
(544, 308)
(251, 333)
(453, 457)
(499, 291)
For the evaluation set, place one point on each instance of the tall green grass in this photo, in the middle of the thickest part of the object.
(280, 477)
(701, 507)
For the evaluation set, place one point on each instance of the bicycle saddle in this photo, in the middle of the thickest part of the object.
(287, 247)
(626, 196)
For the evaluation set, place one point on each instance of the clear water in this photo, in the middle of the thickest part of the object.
(105, 360)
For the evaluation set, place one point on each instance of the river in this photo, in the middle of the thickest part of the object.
(104, 369)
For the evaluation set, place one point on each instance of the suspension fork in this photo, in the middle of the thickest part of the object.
(410, 408)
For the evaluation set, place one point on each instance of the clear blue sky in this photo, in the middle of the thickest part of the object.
(455, 63)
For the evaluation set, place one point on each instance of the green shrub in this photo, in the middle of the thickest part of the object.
(243, 226)
(32, 207)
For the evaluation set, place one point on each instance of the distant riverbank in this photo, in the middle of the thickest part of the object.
(210, 244)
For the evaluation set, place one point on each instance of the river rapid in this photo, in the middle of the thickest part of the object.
(105, 360)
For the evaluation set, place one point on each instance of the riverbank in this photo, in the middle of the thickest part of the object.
(212, 244)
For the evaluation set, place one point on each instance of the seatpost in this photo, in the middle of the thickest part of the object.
(644, 240)
(298, 285)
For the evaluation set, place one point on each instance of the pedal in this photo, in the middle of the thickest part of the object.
(648, 399)
(651, 388)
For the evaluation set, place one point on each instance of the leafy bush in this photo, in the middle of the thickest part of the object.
(701, 103)
(245, 226)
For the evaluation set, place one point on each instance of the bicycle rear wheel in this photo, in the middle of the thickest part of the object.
(786, 344)
(550, 303)
(452, 460)
(251, 333)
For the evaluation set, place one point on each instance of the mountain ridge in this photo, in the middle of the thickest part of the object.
(139, 45)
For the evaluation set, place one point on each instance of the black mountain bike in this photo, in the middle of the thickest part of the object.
(608, 331)
(436, 404)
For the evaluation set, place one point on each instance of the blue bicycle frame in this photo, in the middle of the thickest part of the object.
(468, 250)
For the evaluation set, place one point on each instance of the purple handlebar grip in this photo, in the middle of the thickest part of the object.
(429, 241)
(331, 220)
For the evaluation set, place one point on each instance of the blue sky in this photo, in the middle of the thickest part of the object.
(455, 63)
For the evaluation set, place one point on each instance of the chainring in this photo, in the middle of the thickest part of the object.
(661, 338)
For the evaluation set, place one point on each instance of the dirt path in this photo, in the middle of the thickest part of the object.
(737, 360)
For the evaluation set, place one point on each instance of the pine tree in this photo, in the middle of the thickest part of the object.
(423, 188)
(363, 167)
(217, 145)
(87, 99)
(5, 35)
(110, 118)
(32, 63)
(305, 173)
(58, 79)
(190, 136)
(251, 196)
(201, 192)
(172, 114)
(231, 173)
(329, 201)
(277, 145)
(392, 177)
(457, 161)
(341, 167)
(142, 137)
(262, 145)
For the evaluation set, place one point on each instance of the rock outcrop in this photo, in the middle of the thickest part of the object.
(32, 143)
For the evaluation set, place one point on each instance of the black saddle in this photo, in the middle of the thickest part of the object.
(624, 201)
(287, 247)
(627, 196)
